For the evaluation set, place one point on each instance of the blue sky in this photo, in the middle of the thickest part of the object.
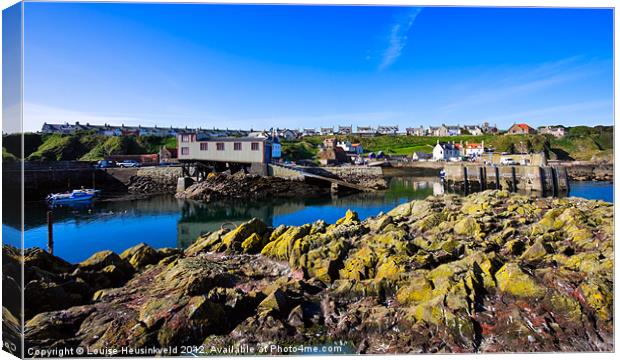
(244, 66)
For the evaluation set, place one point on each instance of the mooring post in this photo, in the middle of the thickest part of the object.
(481, 176)
(566, 180)
(465, 180)
(497, 178)
(50, 232)
(513, 170)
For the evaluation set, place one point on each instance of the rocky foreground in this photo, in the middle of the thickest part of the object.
(220, 186)
(491, 272)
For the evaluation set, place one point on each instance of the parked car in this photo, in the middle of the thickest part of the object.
(129, 163)
(507, 161)
(104, 164)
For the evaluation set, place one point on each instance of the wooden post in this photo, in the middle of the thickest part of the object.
(465, 180)
(481, 178)
(513, 170)
(50, 232)
(497, 187)
(567, 181)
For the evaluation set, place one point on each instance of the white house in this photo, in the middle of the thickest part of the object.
(365, 130)
(387, 129)
(350, 148)
(473, 129)
(556, 131)
(419, 131)
(445, 151)
(473, 149)
(327, 131)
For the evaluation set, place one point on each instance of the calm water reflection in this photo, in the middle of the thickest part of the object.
(168, 222)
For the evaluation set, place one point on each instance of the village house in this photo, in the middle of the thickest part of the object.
(488, 129)
(453, 130)
(387, 129)
(309, 132)
(419, 131)
(473, 149)
(519, 129)
(438, 131)
(345, 130)
(445, 151)
(327, 131)
(287, 134)
(365, 130)
(473, 129)
(556, 131)
(350, 148)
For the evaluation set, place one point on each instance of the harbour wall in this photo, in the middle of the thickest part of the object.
(547, 180)
(43, 178)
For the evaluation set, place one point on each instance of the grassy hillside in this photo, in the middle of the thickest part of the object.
(91, 147)
(298, 150)
(13, 143)
(7, 156)
(585, 143)
(581, 143)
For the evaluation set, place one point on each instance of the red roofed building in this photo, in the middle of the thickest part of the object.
(517, 129)
(473, 150)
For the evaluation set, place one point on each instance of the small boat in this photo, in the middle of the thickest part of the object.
(76, 196)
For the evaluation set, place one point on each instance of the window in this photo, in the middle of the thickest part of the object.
(237, 146)
(220, 146)
(184, 138)
(184, 151)
(204, 146)
(255, 146)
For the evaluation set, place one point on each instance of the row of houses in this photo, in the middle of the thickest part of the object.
(292, 134)
(348, 130)
(453, 130)
(123, 130)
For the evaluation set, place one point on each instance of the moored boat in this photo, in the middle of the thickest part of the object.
(76, 196)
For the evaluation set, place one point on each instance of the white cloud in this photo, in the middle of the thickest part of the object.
(398, 38)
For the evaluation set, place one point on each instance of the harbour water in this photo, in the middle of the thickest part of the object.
(165, 221)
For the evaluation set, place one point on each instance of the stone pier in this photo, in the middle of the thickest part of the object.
(547, 180)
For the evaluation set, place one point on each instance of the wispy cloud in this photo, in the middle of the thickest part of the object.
(398, 38)
(503, 85)
(595, 110)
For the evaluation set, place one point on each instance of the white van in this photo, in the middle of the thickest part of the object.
(507, 161)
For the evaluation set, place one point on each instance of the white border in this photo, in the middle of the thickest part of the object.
(489, 3)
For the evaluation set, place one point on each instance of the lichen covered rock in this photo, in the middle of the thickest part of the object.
(490, 272)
